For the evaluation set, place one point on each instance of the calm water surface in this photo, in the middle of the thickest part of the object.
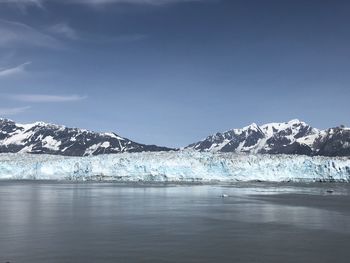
(61, 222)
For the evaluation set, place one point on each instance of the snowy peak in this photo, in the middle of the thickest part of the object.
(40, 137)
(293, 137)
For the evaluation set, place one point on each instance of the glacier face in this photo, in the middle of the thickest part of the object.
(181, 166)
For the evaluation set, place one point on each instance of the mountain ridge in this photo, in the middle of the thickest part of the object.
(293, 137)
(48, 138)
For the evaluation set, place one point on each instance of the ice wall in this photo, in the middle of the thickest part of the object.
(187, 166)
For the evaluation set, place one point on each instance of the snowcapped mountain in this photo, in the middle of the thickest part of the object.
(293, 137)
(40, 137)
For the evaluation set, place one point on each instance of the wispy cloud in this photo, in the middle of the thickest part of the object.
(37, 98)
(13, 111)
(4, 72)
(15, 34)
(148, 2)
(129, 38)
(40, 3)
(19, 34)
(65, 30)
(22, 2)
(116, 39)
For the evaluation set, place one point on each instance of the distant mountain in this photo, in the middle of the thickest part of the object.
(293, 137)
(47, 138)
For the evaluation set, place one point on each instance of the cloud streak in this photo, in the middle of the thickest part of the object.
(13, 111)
(19, 34)
(39, 98)
(64, 30)
(15, 34)
(40, 3)
(13, 71)
(22, 2)
(145, 2)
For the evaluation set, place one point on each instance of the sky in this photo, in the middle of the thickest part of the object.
(171, 72)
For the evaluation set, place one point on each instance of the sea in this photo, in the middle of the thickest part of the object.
(63, 222)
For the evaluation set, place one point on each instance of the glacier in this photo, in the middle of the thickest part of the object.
(176, 166)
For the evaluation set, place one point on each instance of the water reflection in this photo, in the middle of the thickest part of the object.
(52, 222)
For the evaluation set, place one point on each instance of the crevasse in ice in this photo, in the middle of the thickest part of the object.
(181, 166)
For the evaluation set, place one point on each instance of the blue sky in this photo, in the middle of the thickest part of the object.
(170, 72)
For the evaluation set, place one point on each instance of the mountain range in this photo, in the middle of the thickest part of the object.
(46, 138)
(293, 137)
